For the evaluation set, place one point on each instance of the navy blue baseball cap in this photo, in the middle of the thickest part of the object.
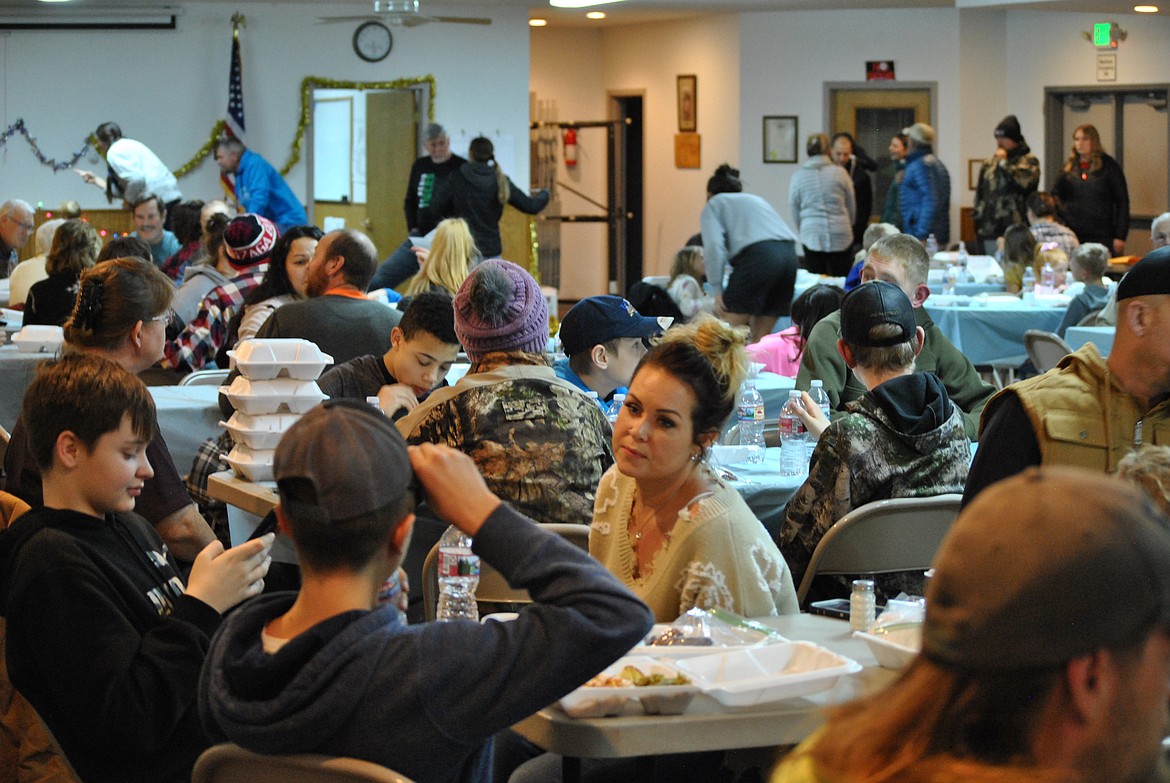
(600, 319)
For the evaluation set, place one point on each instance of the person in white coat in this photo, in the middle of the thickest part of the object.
(823, 207)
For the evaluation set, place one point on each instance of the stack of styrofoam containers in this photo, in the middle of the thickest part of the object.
(276, 386)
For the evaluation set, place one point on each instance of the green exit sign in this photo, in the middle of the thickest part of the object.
(1103, 35)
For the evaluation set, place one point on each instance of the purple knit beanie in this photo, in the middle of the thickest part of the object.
(500, 307)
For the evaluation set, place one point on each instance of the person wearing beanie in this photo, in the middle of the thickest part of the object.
(1045, 648)
(925, 192)
(248, 242)
(1006, 179)
(540, 443)
(903, 438)
(1089, 411)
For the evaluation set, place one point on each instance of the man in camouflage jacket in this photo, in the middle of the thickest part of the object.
(1006, 179)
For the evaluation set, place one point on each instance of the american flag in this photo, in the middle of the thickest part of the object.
(235, 106)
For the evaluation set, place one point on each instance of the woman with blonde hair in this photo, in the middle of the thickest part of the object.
(663, 521)
(685, 286)
(1093, 195)
(446, 264)
(478, 191)
(75, 247)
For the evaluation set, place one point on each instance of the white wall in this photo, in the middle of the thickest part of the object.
(787, 57)
(649, 58)
(167, 88)
(1048, 50)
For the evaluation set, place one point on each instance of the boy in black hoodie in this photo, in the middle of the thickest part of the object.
(103, 637)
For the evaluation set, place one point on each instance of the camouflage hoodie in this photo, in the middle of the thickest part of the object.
(904, 438)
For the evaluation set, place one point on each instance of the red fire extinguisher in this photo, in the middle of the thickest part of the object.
(570, 148)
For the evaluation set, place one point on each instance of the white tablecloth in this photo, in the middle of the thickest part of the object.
(5, 287)
(1100, 336)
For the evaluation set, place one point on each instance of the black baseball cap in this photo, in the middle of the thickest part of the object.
(873, 304)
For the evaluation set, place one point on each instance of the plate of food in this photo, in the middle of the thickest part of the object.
(659, 687)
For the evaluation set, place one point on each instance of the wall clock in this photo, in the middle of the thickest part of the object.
(372, 41)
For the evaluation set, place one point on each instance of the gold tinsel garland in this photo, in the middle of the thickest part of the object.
(306, 116)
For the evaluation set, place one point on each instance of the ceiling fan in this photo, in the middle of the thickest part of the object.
(404, 13)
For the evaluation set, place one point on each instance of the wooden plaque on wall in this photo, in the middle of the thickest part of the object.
(686, 151)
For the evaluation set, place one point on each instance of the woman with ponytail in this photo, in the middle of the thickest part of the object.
(664, 522)
(478, 191)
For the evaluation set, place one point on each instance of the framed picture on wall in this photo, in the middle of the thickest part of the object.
(780, 139)
(688, 103)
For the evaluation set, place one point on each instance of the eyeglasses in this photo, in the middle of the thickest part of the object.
(167, 318)
(25, 226)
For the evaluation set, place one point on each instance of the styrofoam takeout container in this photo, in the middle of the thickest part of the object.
(252, 464)
(259, 432)
(269, 358)
(283, 395)
(693, 651)
(600, 702)
(894, 647)
(760, 675)
(38, 338)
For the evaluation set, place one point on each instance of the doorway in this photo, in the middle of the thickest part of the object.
(626, 192)
(362, 143)
(1135, 129)
(874, 112)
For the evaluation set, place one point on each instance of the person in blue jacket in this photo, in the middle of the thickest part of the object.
(926, 189)
(260, 189)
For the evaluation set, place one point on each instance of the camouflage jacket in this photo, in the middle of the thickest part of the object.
(867, 455)
(1004, 186)
(539, 442)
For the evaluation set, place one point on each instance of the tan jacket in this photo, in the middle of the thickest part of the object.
(1083, 417)
(28, 751)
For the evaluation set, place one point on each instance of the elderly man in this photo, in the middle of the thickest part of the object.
(259, 187)
(1088, 411)
(850, 156)
(899, 259)
(1006, 179)
(16, 226)
(925, 191)
(1160, 231)
(150, 215)
(425, 176)
(134, 171)
(1045, 650)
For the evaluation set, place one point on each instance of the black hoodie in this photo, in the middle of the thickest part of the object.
(473, 193)
(104, 643)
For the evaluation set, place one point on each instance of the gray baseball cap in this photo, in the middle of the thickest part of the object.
(1045, 566)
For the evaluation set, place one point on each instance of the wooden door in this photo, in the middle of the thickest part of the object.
(391, 148)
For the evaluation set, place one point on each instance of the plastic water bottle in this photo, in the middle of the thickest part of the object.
(931, 246)
(951, 278)
(592, 395)
(1028, 284)
(793, 437)
(1048, 279)
(750, 413)
(816, 390)
(964, 275)
(458, 577)
(615, 408)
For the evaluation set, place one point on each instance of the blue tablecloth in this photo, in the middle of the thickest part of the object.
(994, 332)
(1101, 336)
(765, 490)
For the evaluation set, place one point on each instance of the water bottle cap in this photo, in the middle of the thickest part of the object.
(815, 383)
(619, 397)
(750, 383)
(793, 394)
(591, 394)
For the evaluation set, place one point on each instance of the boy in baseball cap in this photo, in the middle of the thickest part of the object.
(326, 670)
(903, 438)
(603, 338)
